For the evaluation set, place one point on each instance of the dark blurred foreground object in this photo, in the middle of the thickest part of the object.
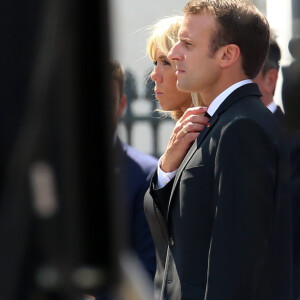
(290, 86)
(57, 208)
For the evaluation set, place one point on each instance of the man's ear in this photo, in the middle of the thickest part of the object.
(272, 76)
(122, 105)
(229, 55)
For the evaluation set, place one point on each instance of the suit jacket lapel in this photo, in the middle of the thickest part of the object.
(190, 153)
(250, 89)
(243, 91)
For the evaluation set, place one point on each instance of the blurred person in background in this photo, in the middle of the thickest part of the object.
(291, 105)
(133, 171)
(186, 108)
(290, 86)
(267, 80)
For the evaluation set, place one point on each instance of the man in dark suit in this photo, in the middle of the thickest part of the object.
(266, 81)
(133, 171)
(222, 206)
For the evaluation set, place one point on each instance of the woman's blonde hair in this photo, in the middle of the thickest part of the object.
(164, 35)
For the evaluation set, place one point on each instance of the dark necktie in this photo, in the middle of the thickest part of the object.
(208, 116)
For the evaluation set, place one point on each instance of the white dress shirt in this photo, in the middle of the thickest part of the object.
(272, 107)
(162, 177)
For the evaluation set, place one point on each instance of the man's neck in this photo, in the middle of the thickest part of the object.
(223, 84)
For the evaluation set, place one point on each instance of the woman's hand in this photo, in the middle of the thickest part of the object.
(185, 132)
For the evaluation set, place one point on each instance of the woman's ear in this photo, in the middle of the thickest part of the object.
(229, 55)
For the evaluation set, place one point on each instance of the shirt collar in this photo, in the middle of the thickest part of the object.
(272, 107)
(221, 97)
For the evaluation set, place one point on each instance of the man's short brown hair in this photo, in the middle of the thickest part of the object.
(239, 23)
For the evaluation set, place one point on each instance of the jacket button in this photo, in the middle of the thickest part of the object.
(172, 242)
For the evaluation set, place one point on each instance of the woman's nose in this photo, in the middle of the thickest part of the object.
(155, 75)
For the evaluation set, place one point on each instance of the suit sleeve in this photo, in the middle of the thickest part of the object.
(244, 185)
(161, 196)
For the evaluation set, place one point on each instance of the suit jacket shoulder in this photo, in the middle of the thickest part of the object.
(133, 172)
(147, 163)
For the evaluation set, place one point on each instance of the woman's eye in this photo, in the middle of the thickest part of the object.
(165, 62)
(155, 62)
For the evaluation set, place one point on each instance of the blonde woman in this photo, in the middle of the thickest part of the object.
(187, 110)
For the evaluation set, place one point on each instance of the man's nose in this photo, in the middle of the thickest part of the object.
(174, 53)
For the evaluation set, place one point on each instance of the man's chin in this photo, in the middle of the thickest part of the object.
(181, 86)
